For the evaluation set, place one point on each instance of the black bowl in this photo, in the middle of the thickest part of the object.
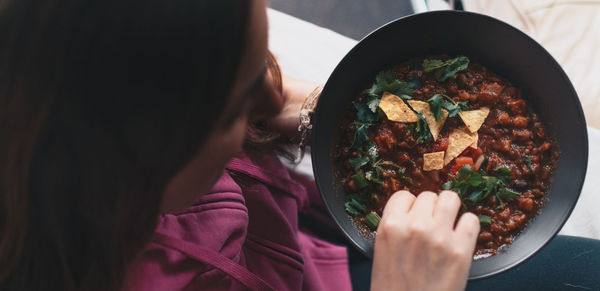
(503, 49)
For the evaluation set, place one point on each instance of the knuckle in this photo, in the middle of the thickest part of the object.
(417, 229)
(450, 196)
(427, 195)
(391, 227)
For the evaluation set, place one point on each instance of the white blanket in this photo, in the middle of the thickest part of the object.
(310, 52)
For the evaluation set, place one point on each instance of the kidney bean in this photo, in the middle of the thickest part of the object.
(503, 118)
(485, 236)
(520, 121)
(504, 214)
(522, 134)
(526, 204)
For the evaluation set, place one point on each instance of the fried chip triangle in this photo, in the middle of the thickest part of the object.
(435, 126)
(473, 119)
(459, 140)
(395, 109)
(433, 161)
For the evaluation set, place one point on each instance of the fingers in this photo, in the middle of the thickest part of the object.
(467, 230)
(424, 204)
(446, 208)
(399, 202)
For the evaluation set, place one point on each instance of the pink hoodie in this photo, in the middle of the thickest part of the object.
(243, 235)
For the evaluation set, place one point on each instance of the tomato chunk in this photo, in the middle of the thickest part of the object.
(461, 161)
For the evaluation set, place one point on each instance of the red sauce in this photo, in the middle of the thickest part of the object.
(511, 133)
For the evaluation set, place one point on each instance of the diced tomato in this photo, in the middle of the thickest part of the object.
(441, 144)
(460, 162)
(475, 152)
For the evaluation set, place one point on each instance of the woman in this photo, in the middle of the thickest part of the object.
(115, 111)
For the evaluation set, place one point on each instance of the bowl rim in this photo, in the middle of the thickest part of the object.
(538, 47)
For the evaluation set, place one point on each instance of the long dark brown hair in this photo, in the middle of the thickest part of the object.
(101, 103)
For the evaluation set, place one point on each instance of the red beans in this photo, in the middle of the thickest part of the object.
(522, 134)
(489, 92)
(485, 236)
(526, 204)
(520, 121)
(503, 118)
(517, 106)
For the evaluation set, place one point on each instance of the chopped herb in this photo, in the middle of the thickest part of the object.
(435, 105)
(505, 194)
(387, 81)
(354, 208)
(476, 186)
(372, 220)
(373, 104)
(364, 113)
(359, 161)
(360, 180)
(372, 151)
(484, 219)
(422, 130)
(503, 174)
(442, 70)
(360, 134)
(374, 177)
(414, 82)
(528, 162)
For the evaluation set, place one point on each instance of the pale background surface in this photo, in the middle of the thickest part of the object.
(307, 51)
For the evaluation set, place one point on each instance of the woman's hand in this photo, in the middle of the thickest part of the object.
(418, 247)
(295, 93)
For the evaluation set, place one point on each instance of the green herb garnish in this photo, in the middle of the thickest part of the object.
(359, 161)
(360, 180)
(364, 113)
(442, 70)
(387, 81)
(360, 134)
(436, 102)
(355, 208)
(414, 82)
(372, 220)
(476, 186)
(528, 162)
(484, 219)
(421, 130)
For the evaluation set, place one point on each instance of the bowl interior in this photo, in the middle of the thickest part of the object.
(501, 48)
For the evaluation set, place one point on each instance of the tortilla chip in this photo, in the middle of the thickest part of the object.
(476, 139)
(435, 126)
(459, 140)
(433, 161)
(473, 119)
(395, 109)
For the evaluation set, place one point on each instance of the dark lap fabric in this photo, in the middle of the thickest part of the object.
(566, 263)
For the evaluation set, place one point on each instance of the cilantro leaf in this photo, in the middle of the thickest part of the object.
(422, 130)
(506, 194)
(387, 81)
(360, 134)
(503, 174)
(360, 180)
(442, 70)
(414, 82)
(359, 161)
(476, 186)
(429, 65)
(364, 113)
(454, 107)
(373, 104)
(435, 105)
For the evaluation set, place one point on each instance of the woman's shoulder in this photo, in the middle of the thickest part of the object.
(184, 243)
